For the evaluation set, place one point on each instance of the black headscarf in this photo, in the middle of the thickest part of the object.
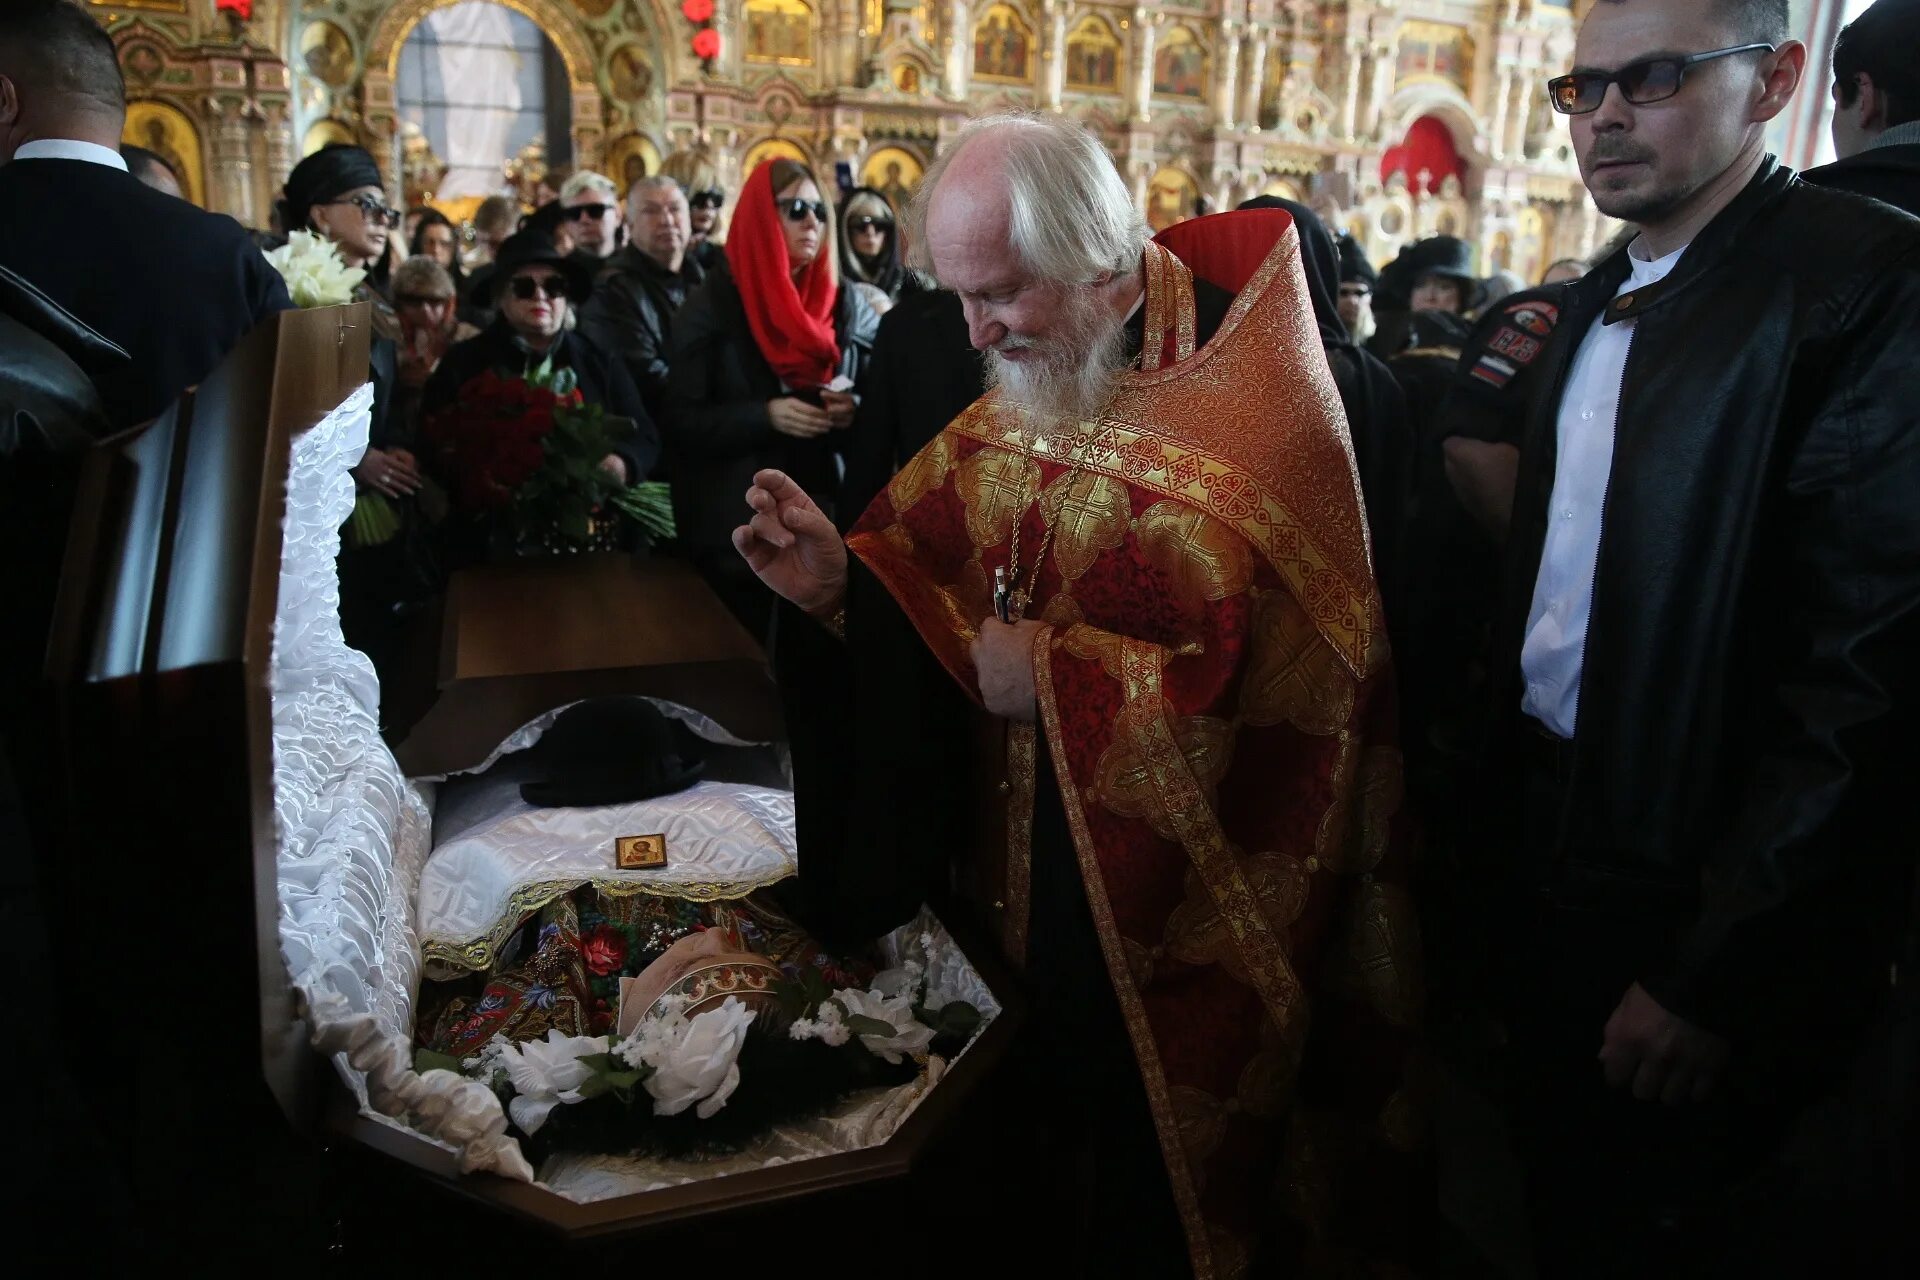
(1376, 410)
(1322, 264)
(327, 174)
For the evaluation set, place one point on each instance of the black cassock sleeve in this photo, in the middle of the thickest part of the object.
(883, 765)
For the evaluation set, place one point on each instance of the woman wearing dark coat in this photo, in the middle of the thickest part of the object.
(529, 331)
(535, 291)
(767, 356)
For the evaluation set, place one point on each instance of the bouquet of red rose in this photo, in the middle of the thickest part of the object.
(529, 450)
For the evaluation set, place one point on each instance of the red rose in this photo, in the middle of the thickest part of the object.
(706, 44)
(604, 949)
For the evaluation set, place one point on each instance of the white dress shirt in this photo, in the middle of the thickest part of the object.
(68, 149)
(1556, 642)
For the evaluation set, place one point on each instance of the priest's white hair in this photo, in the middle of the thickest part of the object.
(1073, 221)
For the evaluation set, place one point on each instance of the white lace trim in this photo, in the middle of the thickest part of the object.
(353, 833)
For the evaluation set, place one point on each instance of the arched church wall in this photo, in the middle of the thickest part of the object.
(1237, 96)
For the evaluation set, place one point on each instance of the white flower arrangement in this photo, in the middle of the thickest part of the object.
(316, 275)
(693, 1061)
(672, 1064)
(546, 1074)
(898, 1033)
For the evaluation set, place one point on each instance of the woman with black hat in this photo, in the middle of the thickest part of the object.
(535, 290)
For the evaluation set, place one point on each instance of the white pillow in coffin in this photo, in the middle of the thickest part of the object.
(497, 857)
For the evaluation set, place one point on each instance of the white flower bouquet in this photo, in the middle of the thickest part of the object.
(316, 275)
(680, 1084)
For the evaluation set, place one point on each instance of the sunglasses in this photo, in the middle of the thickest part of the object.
(797, 210)
(373, 208)
(708, 199)
(526, 288)
(870, 224)
(1647, 81)
(588, 212)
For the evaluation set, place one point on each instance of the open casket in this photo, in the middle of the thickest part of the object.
(228, 788)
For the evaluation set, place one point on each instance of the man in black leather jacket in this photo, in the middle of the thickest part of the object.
(1708, 648)
(631, 311)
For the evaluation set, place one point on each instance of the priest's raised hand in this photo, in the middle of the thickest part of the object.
(792, 546)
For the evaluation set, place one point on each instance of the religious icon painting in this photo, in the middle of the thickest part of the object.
(325, 133)
(779, 32)
(773, 149)
(1093, 56)
(630, 73)
(327, 54)
(1003, 46)
(630, 158)
(169, 133)
(894, 172)
(1180, 65)
(1434, 53)
(906, 77)
(1172, 197)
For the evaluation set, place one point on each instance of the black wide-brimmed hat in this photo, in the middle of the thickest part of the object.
(609, 751)
(1353, 261)
(533, 248)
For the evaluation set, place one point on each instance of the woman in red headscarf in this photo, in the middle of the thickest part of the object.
(767, 360)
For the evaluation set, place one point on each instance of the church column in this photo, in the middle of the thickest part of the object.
(1350, 104)
(232, 164)
(278, 126)
(1229, 64)
(1520, 121)
(959, 48)
(1386, 57)
(1256, 78)
(845, 62)
(1502, 109)
(1053, 57)
(1145, 32)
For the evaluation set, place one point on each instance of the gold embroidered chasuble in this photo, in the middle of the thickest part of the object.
(1215, 694)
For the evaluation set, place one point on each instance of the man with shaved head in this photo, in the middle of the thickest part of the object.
(1707, 660)
(1106, 656)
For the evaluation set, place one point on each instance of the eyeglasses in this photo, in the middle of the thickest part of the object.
(708, 199)
(373, 208)
(526, 288)
(870, 224)
(1647, 81)
(797, 210)
(587, 212)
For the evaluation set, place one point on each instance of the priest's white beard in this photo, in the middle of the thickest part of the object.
(1071, 375)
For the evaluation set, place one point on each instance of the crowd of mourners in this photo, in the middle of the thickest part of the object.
(781, 326)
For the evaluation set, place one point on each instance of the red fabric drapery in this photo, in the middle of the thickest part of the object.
(1428, 147)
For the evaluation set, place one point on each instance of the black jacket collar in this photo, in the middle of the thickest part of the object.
(1706, 252)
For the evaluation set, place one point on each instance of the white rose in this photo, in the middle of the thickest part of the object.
(700, 1064)
(910, 1037)
(546, 1074)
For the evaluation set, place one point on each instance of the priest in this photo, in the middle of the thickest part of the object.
(1117, 626)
